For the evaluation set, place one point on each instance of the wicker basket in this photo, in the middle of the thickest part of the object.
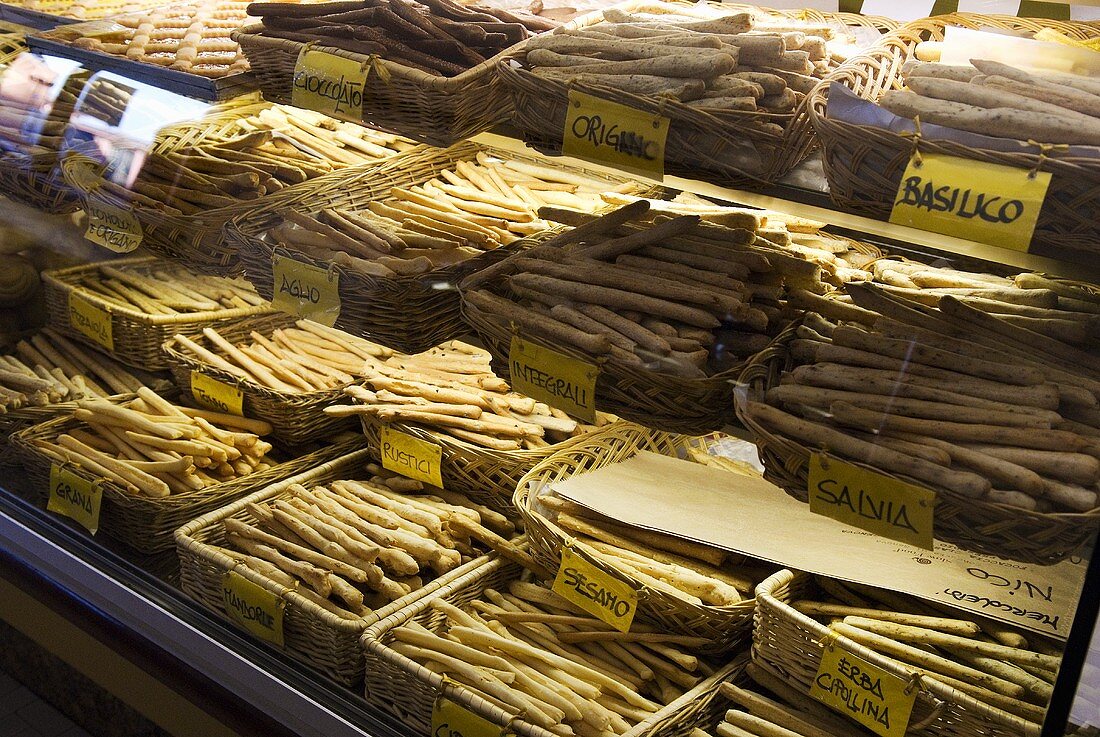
(725, 147)
(404, 688)
(18, 420)
(864, 164)
(312, 634)
(137, 336)
(725, 627)
(788, 644)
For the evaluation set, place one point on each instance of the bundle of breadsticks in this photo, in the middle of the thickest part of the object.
(959, 398)
(354, 545)
(85, 9)
(439, 37)
(770, 715)
(474, 206)
(149, 447)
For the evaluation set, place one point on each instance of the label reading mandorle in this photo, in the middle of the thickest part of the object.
(871, 501)
(606, 132)
(111, 227)
(216, 395)
(558, 380)
(329, 84)
(989, 203)
(91, 321)
(600, 594)
(880, 701)
(75, 497)
(451, 720)
(253, 607)
(307, 291)
(418, 459)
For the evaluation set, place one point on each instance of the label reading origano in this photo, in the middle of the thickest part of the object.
(863, 692)
(600, 594)
(91, 321)
(418, 459)
(551, 377)
(307, 291)
(111, 227)
(608, 133)
(253, 607)
(75, 497)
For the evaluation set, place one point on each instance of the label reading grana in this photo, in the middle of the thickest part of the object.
(880, 701)
(91, 321)
(558, 380)
(216, 395)
(600, 594)
(111, 227)
(871, 501)
(418, 459)
(329, 84)
(451, 720)
(75, 497)
(619, 136)
(307, 291)
(253, 607)
(989, 203)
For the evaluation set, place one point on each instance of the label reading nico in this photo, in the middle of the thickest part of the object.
(111, 227)
(329, 84)
(307, 291)
(989, 203)
(74, 497)
(606, 132)
(610, 599)
(560, 381)
(91, 321)
(253, 607)
(418, 459)
(451, 720)
(871, 501)
(215, 395)
(864, 692)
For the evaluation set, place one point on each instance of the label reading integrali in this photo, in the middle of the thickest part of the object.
(606, 132)
(880, 701)
(451, 720)
(91, 321)
(253, 607)
(111, 227)
(600, 594)
(216, 395)
(329, 84)
(75, 497)
(307, 291)
(551, 377)
(418, 459)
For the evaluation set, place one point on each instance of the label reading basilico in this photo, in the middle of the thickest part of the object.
(75, 497)
(418, 459)
(216, 395)
(329, 84)
(602, 595)
(307, 291)
(91, 321)
(606, 132)
(253, 607)
(111, 227)
(551, 377)
(880, 701)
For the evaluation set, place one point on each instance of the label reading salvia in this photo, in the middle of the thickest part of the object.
(216, 395)
(551, 377)
(418, 459)
(307, 291)
(111, 227)
(75, 497)
(91, 321)
(600, 594)
(253, 607)
(451, 720)
(863, 692)
(871, 501)
(989, 203)
(606, 132)
(329, 84)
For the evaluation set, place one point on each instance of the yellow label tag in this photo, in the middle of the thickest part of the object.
(558, 380)
(603, 596)
(606, 132)
(92, 321)
(871, 501)
(989, 203)
(418, 459)
(216, 395)
(307, 291)
(878, 700)
(112, 227)
(75, 497)
(329, 84)
(451, 720)
(253, 607)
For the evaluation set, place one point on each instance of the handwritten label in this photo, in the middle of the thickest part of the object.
(871, 501)
(451, 720)
(75, 497)
(880, 701)
(418, 459)
(216, 395)
(307, 291)
(606, 132)
(556, 379)
(989, 203)
(111, 227)
(600, 594)
(329, 84)
(253, 607)
(91, 321)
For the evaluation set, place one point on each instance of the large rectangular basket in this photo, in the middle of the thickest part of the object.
(864, 164)
(402, 687)
(312, 634)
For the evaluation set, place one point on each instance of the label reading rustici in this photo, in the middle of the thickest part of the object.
(558, 380)
(111, 227)
(329, 84)
(216, 395)
(600, 594)
(92, 321)
(863, 692)
(75, 497)
(606, 132)
(451, 720)
(871, 501)
(307, 291)
(253, 607)
(989, 203)
(418, 459)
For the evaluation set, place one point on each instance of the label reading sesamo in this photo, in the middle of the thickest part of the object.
(329, 84)
(75, 497)
(551, 377)
(606, 132)
(418, 459)
(451, 720)
(111, 227)
(216, 395)
(307, 291)
(989, 203)
(91, 321)
(880, 701)
(253, 607)
(600, 594)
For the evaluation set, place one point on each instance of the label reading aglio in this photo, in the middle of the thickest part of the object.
(880, 701)
(451, 720)
(329, 84)
(551, 377)
(307, 291)
(111, 227)
(91, 321)
(418, 459)
(600, 594)
(216, 395)
(606, 132)
(989, 203)
(75, 497)
(253, 607)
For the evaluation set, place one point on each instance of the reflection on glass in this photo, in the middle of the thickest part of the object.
(34, 99)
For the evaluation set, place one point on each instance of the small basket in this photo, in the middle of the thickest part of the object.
(726, 627)
(137, 336)
(788, 644)
(402, 687)
(864, 164)
(312, 634)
